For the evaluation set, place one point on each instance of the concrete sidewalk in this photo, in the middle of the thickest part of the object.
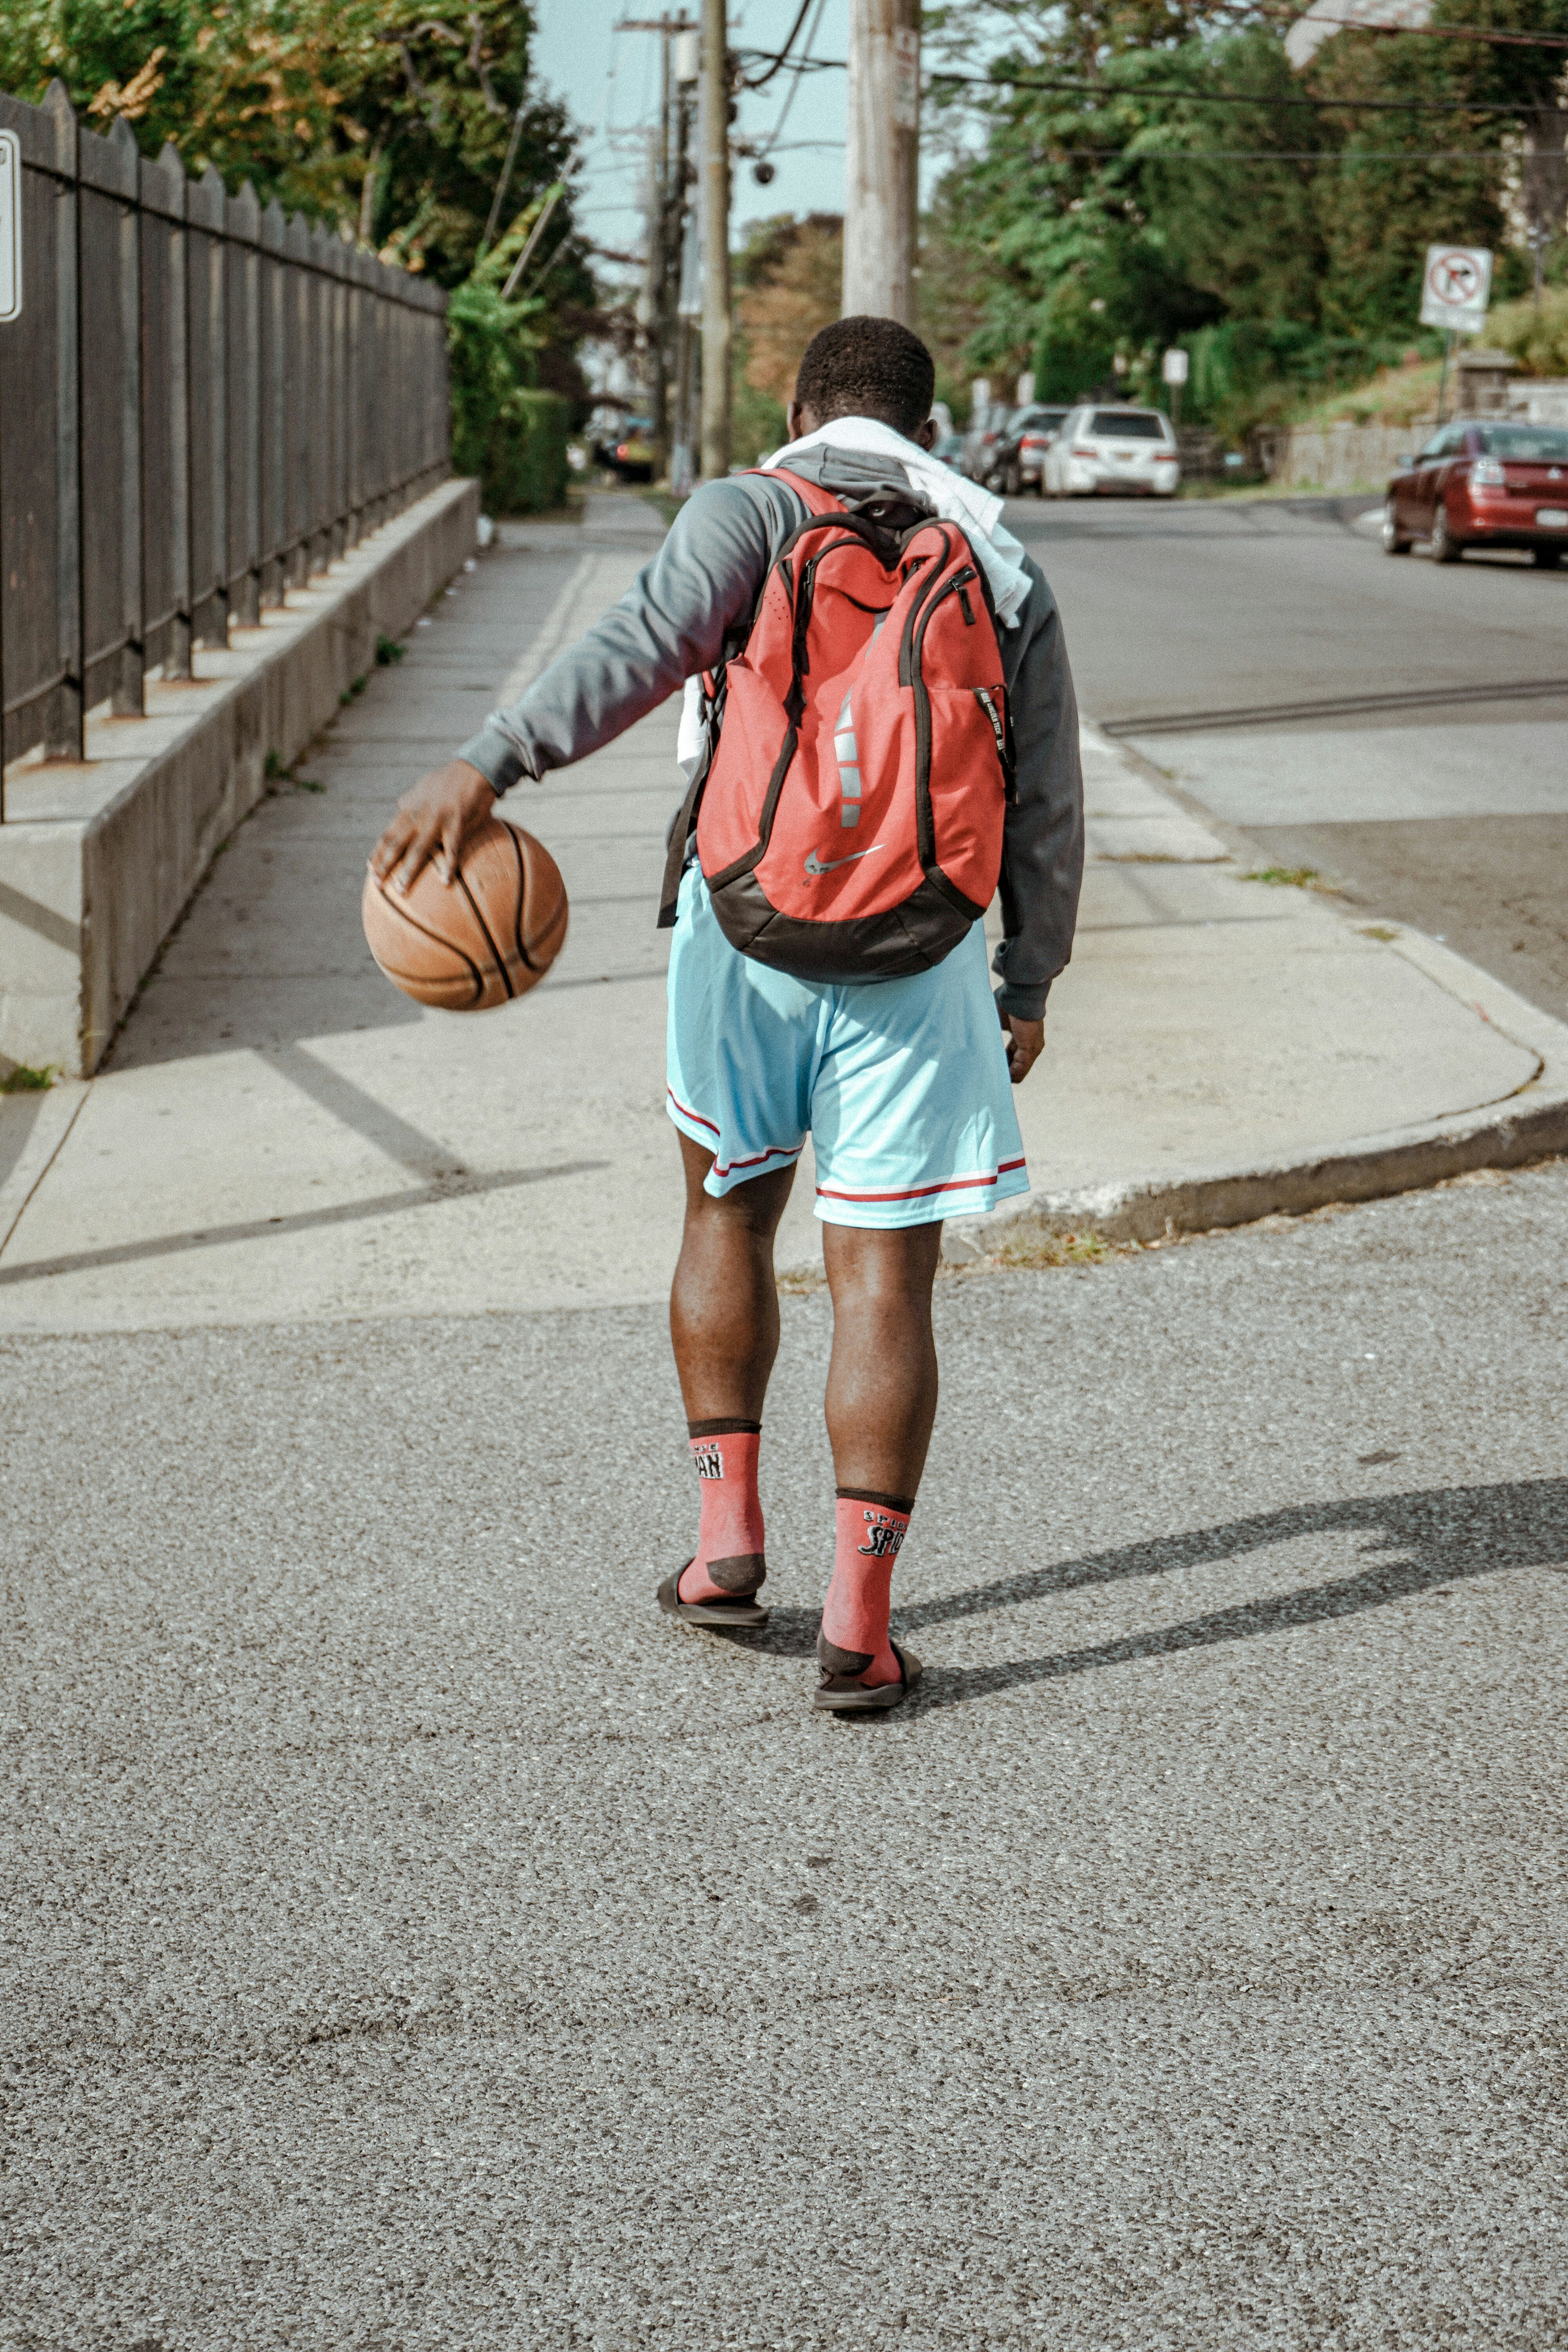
(280, 1135)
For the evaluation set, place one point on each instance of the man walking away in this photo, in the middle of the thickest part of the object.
(900, 1073)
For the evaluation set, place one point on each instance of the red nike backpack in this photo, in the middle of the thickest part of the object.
(849, 820)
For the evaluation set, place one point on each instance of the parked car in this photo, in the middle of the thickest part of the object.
(630, 452)
(1020, 452)
(1489, 484)
(1113, 449)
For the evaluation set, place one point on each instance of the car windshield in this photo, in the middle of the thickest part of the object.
(1034, 419)
(1538, 445)
(1123, 424)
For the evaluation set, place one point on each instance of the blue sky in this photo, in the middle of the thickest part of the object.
(610, 81)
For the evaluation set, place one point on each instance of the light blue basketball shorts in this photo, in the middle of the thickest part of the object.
(901, 1085)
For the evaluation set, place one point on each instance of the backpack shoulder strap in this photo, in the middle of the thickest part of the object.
(818, 501)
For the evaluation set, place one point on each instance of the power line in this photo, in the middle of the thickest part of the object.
(1280, 154)
(781, 56)
(1108, 90)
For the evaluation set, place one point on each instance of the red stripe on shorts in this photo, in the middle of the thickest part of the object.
(696, 1115)
(919, 1192)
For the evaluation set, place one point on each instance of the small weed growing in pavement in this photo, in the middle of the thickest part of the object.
(307, 784)
(354, 689)
(388, 651)
(23, 1080)
(1286, 877)
(1377, 932)
(274, 766)
(1046, 1248)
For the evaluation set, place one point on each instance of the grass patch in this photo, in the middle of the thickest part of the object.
(388, 651)
(1286, 877)
(354, 689)
(24, 1080)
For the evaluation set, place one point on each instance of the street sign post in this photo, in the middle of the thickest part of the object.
(1456, 288)
(10, 226)
(1454, 292)
(1173, 369)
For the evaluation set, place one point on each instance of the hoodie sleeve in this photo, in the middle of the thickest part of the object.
(1042, 853)
(671, 624)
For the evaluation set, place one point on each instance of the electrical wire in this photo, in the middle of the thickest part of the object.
(1280, 154)
(771, 139)
(781, 56)
(1108, 90)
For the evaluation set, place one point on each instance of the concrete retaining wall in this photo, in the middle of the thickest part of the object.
(99, 860)
(1341, 457)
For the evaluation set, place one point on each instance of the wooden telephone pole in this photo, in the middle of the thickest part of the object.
(713, 117)
(882, 160)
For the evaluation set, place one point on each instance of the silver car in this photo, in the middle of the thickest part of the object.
(1113, 449)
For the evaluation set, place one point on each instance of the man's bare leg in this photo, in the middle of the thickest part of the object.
(881, 1404)
(724, 1303)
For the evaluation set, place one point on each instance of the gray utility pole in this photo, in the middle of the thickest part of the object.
(881, 160)
(667, 214)
(714, 118)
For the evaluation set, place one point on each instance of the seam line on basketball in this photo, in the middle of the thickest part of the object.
(499, 959)
(435, 940)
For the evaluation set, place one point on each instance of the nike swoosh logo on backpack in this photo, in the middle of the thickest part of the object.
(814, 865)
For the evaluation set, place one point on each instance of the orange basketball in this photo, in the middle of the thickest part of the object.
(483, 939)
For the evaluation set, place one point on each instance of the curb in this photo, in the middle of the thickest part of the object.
(1530, 1124)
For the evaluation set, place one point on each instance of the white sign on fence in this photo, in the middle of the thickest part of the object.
(1456, 288)
(906, 79)
(10, 226)
(1174, 365)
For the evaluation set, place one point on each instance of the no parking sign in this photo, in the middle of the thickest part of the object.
(1455, 289)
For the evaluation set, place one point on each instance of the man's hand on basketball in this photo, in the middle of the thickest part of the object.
(1026, 1040)
(431, 824)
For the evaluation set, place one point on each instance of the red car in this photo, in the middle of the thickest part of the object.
(1483, 485)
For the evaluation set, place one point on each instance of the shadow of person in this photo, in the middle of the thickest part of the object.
(1436, 1536)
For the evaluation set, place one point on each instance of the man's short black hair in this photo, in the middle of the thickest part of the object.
(867, 367)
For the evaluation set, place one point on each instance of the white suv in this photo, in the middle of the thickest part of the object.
(1113, 449)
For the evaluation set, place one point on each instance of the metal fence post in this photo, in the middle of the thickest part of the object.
(67, 707)
(128, 699)
(176, 357)
(243, 264)
(204, 204)
(274, 417)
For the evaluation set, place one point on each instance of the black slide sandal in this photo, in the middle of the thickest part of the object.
(742, 1608)
(847, 1695)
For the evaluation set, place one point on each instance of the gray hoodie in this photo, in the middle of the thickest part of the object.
(702, 586)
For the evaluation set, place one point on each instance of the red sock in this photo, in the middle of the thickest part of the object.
(854, 1638)
(730, 1533)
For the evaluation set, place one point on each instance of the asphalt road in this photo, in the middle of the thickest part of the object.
(415, 1942)
(1401, 727)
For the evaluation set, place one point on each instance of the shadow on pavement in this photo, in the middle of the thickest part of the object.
(1440, 1534)
(257, 1229)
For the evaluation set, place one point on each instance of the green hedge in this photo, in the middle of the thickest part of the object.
(513, 438)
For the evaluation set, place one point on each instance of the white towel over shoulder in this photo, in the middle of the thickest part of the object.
(953, 498)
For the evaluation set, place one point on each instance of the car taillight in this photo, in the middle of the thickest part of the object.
(1035, 441)
(1084, 449)
(621, 448)
(1485, 474)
